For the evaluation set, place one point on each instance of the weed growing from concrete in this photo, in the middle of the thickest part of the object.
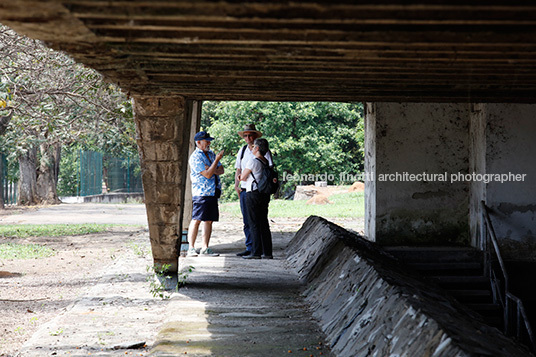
(156, 279)
(183, 276)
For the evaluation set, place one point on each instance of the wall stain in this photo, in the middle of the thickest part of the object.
(429, 194)
(509, 208)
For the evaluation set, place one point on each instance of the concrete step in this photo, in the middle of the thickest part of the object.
(472, 295)
(461, 282)
(458, 270)
(491, 313)
(434, 254)
(450, 268)
(485, 308)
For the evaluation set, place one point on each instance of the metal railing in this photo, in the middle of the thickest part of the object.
(513, 323)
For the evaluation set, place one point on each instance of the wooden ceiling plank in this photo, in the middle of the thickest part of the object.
(306, 9)
(383, 50)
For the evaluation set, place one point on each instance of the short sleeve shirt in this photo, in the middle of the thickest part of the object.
(256, 170)
(248, 155)
(202, 186)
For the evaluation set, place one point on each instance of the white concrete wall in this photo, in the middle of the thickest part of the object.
(511, 148)
(370, 167)
(416, 138)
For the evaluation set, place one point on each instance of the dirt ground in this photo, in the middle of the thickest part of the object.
(35, 291)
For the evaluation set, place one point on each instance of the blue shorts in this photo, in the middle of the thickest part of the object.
(205, 208)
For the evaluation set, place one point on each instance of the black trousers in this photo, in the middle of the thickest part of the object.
(257, 208)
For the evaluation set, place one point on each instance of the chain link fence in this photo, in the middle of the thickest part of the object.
(122, 175)
(100, 173)
(8, 188)
(90, 173)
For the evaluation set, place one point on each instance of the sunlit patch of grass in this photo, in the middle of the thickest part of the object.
(342, 205)
(51, 230)
(345, 205)
(24, 251)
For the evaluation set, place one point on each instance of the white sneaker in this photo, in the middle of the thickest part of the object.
(208, 253)
(191, 252)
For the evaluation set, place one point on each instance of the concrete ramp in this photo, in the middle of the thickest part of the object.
(369, 304)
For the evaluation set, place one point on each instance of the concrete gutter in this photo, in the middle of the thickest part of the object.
(369, 304)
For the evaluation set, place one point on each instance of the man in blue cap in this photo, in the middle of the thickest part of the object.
(205, 169)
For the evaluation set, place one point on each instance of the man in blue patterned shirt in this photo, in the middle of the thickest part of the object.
(205, 169)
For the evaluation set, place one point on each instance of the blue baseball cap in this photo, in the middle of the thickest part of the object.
(203, 135)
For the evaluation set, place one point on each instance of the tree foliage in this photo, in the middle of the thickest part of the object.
(308, 140)
(52, 102)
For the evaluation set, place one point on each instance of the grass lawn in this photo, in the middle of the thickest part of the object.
(30, 251)
(24, 251)
(50, 230)
(343, 205)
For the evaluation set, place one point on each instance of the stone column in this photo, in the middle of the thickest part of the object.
(163, 129)
(413, 149)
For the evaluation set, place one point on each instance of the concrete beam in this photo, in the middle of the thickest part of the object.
(163, 132)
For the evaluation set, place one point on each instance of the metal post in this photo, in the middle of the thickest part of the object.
(2, 183)
(128, 174)
(518, 322)
(79, 181)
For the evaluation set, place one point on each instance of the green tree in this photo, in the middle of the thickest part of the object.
(308, 139)
(53, 101)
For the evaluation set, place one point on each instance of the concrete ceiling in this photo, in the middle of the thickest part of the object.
(381, 50)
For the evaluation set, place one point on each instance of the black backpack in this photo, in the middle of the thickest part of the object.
(269, 181)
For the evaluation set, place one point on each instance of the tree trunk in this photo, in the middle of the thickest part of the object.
(28, 178)
(4, 121)
(46, 183)
(57, 160)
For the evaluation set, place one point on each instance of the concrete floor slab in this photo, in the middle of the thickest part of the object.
(229, 307)
(236, 307)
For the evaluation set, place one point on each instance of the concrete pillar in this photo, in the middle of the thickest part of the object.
(194, 113)
(507, 147)
(370, 169)
(477, 164)
(195, 117)
(431, 142)
(163, 129)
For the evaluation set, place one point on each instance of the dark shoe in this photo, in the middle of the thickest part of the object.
(241, 254)
(251, 256)
(267, 256)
